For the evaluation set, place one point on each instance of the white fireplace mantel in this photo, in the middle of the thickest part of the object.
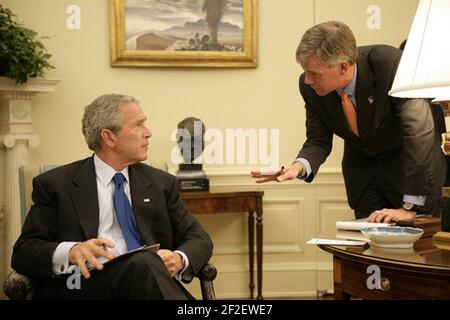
(33, 85)
(16, 139)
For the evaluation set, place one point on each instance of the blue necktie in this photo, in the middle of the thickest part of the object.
(125, 214)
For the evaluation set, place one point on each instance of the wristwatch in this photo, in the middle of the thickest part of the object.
(411, 207)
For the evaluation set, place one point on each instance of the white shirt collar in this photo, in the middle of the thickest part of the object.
(105, 172)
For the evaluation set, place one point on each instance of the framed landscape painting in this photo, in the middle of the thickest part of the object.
(183, 33)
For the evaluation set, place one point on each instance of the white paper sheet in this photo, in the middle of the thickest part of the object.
(336, 242)
(270, 171)
(358, 224)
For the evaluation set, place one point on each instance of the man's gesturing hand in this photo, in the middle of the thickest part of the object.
(285, 173)
(89, 251)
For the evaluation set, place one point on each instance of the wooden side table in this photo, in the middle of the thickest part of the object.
(251, 202)
(422, 273)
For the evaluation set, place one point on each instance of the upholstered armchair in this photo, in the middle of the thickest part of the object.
(20, 287)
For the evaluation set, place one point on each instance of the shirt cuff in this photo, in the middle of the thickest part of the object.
(417, 200)
(307, 166)
(186, 264)
(60, 259)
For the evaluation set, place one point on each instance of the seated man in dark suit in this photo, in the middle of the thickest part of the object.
(96, 209)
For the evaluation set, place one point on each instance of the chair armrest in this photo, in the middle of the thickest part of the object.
(207, 274)
(18, 287)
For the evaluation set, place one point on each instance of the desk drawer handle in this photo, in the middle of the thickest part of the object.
(385, 284)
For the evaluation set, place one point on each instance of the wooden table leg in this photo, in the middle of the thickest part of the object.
(251, 244)
(341, 295)
(259, 246)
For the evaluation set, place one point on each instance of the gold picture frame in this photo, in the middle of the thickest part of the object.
(135, 43)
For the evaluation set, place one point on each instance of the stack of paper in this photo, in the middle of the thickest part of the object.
(351, 235)
(336, 242)
(358, 224)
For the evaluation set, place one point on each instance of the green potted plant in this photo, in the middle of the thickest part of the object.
(22, 55)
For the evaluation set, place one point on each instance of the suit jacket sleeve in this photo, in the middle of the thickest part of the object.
(319, 138)
(418, 144)
(189, 236)
(33, 251)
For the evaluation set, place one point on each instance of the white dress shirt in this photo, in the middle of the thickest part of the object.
(108, 227)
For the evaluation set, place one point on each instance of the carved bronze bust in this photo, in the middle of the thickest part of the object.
(190, 141)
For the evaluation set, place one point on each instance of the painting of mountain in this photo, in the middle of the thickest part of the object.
(207, 25)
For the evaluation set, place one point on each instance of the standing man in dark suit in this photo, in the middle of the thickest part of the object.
(96, 209)
(392, 165)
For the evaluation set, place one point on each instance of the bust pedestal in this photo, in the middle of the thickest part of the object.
(191, 177)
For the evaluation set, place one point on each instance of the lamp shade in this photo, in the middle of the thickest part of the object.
(424, 69)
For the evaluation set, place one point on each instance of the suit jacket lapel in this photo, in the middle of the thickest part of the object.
(365, 97)
(143, 202)
(85, 199)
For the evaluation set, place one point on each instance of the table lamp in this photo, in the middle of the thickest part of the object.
(424, 71)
